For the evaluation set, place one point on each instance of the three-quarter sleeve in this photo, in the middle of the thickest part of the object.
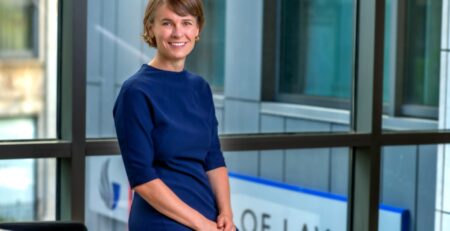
(214, 157)
(134, 124)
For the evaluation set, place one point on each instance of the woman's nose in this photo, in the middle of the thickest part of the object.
(177, 31)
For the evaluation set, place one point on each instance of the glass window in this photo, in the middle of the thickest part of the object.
(28, 81)
(302, 189)
(412, 65)
(412, 58)
(27, 190)
(108, 194)
(314, 65)
(228, 55)
(207, 59)
(423, 36)
(316, 58)
(412, 188)
(116, 51)
(316, 50)
(243, 108)
(296, 176)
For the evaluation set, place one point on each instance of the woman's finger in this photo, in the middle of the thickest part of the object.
(220, 221)
(229, 225)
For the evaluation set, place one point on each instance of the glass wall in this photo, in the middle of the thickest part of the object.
(27, 190)
(28, 47)
(412, 186)
(312, 47)
(289, 189)
(321, 169)
(316, 59)
(207, 59)
(228, 56)
(116, 51)
(408, 195)
(108, 194)
(282, 195)
(28, 103)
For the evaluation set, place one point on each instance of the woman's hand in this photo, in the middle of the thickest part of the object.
(225, 222)
(220, 184)
(208, 225)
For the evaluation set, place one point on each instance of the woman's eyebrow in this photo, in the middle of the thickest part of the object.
(166, 19)
(184, 19)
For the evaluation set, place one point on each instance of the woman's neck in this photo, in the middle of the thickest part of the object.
(176, 66)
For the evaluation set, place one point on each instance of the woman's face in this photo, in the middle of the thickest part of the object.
(175, 35)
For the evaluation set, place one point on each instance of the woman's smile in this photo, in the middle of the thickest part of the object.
(177, 44)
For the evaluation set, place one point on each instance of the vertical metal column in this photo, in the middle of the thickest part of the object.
(72, 104)
(366, 116)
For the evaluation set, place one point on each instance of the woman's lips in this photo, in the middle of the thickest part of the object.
(177, 44)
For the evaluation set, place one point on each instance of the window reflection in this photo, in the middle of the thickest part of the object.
(207, 59)
(316, 48)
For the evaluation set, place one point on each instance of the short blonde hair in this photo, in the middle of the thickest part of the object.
(180, 7)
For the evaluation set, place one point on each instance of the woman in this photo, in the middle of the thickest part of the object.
(167, 130)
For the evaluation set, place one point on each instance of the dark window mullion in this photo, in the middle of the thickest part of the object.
(34, 149)
(364, 187)
(72, 93)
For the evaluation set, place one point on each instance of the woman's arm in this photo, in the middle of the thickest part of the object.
(164, 200)
(219, 181)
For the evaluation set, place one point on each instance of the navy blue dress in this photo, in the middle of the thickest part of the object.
(167, 129)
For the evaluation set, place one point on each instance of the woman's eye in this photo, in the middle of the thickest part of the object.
(166, 23)
(187, 23)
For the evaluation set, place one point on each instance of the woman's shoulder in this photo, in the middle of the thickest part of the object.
(142, 79)
(199, 81)
(133, 86)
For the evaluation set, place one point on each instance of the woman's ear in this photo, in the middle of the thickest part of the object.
(149, 29)
(150, 32)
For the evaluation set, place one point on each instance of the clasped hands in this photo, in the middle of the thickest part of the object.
(224, 223)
